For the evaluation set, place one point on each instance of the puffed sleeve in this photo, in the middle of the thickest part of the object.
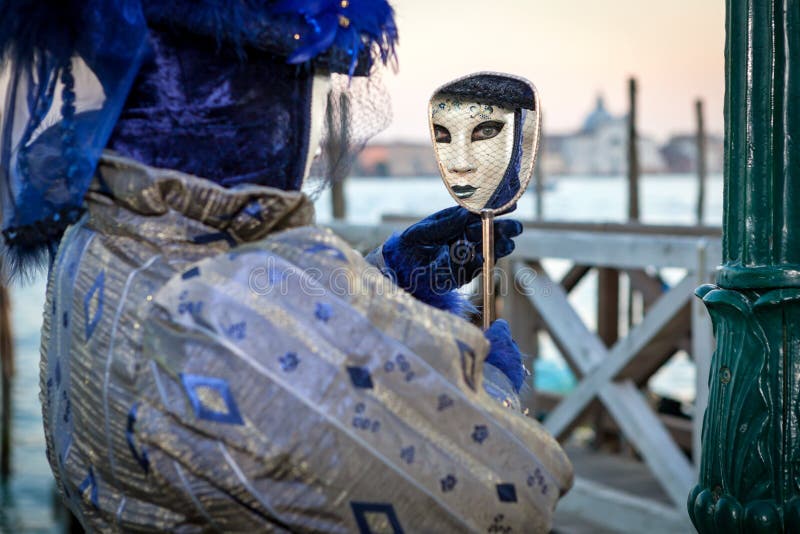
(289, 388)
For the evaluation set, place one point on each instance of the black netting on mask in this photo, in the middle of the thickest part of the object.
(358, 109)
(498, 88)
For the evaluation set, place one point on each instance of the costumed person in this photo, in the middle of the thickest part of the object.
(211, 360)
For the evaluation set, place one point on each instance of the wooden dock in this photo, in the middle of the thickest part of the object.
(644, 485)
(609, 487)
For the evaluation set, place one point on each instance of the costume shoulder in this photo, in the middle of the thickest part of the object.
(294, 377)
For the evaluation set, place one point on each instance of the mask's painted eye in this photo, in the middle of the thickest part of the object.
(442, 134)
(487, 130)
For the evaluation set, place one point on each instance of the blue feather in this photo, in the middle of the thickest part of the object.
(504, 353)
(319, 40)
(350, 25)
(301, 30)
(29, 27)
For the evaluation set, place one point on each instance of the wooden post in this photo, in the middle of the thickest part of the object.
(633, 175)
(633, 155)
(337, 197)
(337, 154)
(6, 374)
(701, 161)
(608, 305)
(749, 468)
(608, 332)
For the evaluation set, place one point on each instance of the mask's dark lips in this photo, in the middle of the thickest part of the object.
(464, 191)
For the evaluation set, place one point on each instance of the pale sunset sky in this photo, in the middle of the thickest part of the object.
(572, 51)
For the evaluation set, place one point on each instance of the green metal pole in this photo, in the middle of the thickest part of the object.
(750, 463)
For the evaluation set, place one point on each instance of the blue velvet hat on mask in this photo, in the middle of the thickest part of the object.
(69, 68)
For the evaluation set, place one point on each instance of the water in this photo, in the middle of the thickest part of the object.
(26, 501)
(664, 199)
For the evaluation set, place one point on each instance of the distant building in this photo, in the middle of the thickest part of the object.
(680, 153)
(397, 159)
(599, 148)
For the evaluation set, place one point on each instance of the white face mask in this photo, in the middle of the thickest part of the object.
(474, 142)
(319, 103)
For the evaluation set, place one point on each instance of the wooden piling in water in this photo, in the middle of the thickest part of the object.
(633, 173)
(337, 153)
(633, 155)
(701, 161)
(337, 197)
(6, 375)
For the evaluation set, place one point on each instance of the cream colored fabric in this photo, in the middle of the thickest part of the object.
(281, 385)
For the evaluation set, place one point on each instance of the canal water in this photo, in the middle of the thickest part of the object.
(26, 501)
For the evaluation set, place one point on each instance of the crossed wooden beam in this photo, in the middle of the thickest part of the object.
(600, 368)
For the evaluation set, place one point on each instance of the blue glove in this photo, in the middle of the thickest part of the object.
(441, 253)
(504, 353)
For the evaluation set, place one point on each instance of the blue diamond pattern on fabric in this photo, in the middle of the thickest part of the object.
(192, 382)
(48, 392)
(205, 239)
(253, 209)
(360, 377)
(361, 509)
(95, 291)
(142, 458)
(323, 311)
(67, 403)
(191, 273)
(467, 363)
(507, 493)
(91, 484)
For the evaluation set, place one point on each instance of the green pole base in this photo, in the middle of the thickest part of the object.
(750, 464)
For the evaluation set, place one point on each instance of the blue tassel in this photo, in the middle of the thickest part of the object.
(504, 353)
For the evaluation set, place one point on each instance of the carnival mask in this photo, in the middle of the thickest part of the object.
(485, 132)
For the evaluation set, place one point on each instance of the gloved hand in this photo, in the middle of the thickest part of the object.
(504, 353)
(441, 253)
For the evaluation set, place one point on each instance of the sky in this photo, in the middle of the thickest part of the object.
(572, 50)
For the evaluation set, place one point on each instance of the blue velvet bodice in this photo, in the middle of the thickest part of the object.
(205, 111)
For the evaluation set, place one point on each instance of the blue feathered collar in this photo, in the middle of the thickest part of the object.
(339, 35)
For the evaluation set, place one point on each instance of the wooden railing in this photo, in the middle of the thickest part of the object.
(611, 369)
